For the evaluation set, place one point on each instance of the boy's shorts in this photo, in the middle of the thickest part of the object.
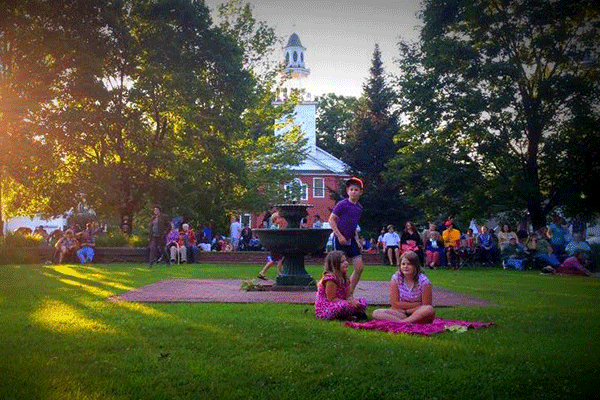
(351, 250)
(275, 257)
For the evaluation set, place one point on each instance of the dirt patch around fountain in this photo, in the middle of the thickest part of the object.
(228, 291)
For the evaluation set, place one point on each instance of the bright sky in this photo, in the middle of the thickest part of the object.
(340, 36)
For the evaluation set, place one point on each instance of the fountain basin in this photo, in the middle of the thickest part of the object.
(294, 244)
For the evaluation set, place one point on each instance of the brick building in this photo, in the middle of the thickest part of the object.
(320, 171)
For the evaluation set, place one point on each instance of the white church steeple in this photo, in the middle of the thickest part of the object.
(294, 58)
(318, 162)
(305, 111)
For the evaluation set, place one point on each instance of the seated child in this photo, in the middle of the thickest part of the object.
(571, 266)
(434, 249)
(66, 246)
(410, 294)
(467, 245)
(513, 254)
(332, 299)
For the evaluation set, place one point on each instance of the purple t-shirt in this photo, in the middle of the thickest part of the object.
(349, 215)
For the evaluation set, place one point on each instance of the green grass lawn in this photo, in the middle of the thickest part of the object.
(60, 339)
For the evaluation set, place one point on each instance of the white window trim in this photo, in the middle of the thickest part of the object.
(249, 219)
(322, 188)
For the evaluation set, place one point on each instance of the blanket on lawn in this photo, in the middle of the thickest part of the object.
(437, 326)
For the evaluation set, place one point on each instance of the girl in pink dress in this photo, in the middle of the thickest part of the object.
(410, 294)
(333, 300)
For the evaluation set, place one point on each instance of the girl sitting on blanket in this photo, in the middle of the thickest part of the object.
(410, 294)
(332, 299)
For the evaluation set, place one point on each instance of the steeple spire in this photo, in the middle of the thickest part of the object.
(294, 58)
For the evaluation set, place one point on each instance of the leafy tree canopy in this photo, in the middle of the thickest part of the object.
(500, 96)
(334, 117)
(171, 112)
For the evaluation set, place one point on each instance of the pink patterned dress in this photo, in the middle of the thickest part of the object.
(325, 309)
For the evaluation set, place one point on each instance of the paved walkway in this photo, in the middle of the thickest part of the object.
(228, 291)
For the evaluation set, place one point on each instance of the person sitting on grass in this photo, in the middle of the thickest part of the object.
(66, 246)
(540, 250)
(410, 294)
(578, 244)
(573, 265)
(513, 254)
(333, 300)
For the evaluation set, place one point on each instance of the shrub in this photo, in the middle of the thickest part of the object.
(12, 240)
(119, 239)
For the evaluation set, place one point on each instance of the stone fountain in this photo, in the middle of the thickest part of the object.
(294, 243)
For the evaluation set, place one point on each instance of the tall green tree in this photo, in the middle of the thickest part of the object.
(334, 117)
(371, 135)
(371, 146)
(171, 85)
(171, 112)
(508, 89)
(45, 47)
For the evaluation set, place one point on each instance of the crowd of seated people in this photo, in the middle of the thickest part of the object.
(548, 246)
(445, 245)
(77, 245)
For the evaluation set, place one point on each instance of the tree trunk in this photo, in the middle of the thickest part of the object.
(532, 180)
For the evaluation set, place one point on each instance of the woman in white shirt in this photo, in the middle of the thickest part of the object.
(391, 240)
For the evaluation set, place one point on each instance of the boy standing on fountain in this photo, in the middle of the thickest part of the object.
(343, 221)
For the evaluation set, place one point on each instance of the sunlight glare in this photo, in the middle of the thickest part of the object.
(60, 317)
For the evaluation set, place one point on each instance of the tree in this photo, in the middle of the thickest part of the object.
(41, 44)
(371, 135)
(172, 114)
(170, 86)
(371, 146)
(506, 88)
(334, 116)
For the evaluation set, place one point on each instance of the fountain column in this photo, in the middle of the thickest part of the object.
(294, 243)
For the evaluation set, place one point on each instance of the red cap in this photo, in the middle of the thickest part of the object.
(355, 181)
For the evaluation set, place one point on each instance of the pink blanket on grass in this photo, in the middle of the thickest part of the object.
(437, 326)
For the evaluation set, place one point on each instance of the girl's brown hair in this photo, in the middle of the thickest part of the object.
(413, 259)
(333, 265)
(412, 226)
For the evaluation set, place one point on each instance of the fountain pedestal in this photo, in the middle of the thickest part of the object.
(294, 243)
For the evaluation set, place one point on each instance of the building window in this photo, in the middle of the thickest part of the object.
(318, 187)
(295, 56)
(296, 190)
(246, 220)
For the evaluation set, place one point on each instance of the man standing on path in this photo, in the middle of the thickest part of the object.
(344, 221)
(157, 232)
